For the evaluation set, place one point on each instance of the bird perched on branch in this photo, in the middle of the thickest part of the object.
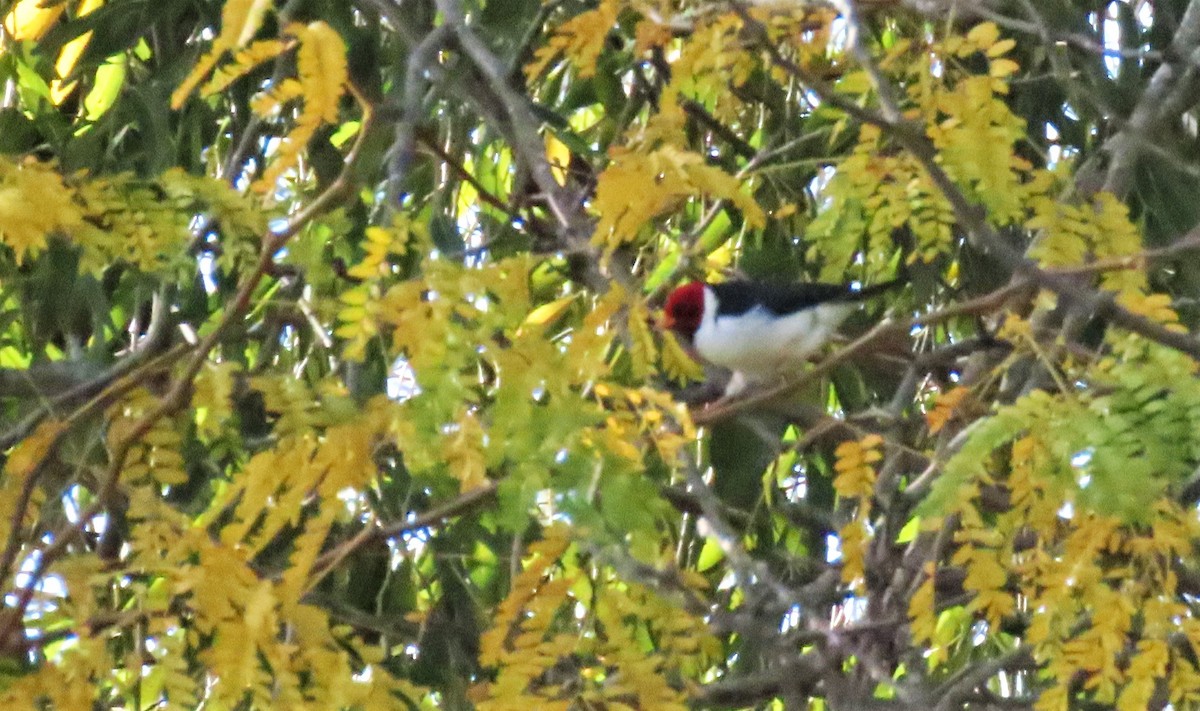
(760, 330)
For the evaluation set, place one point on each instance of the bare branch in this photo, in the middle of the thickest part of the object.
(151, 343)
(751, 690)
(1039, 27)
(854, 40)
(522, 126)
(123, 385)
(751, 573)
(1170, 90)
(881, 332)
(433, 517)
(959, 688)
(421, 61)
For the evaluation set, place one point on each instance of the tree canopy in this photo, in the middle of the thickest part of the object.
(329, 374)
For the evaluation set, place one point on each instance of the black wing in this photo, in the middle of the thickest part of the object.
(780, 298)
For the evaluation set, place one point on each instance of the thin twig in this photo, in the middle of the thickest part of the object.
(973, 217)
(114, 391)
(854, 40)
(156, 333)
(954, 691)
(1186, 243)
(1050, 38)
(983, 304)
(178, 395)
(426, 519)
(521, 127)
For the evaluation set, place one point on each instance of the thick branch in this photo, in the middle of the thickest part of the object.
(803, 675)
(1172, 88)
(522, 126)
(960, 687)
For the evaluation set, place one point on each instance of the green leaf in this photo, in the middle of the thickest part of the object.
(739, 455)
(110, 78)
(18, 134)
(710, 555)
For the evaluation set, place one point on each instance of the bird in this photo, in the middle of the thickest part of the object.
(760, 330)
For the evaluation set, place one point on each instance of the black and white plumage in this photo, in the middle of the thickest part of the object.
(760, 330)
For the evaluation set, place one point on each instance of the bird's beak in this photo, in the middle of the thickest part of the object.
(666, 323)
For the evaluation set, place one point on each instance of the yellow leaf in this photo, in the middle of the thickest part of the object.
(240, 21)
(33, 203)
(922, 610)
(636, 187)
(245, 60)
(547, 314)
(944, 407)
(69, 55)
(855, 475)
(28, 20)
(642, 349)
(1001, 68)
(558, 156)
(28, 454)
(356, 297)
(1001, 47)
(246, 21)
(259, 614)
(463, 453)
(321, 62)
(650, 34)
(856, 82)
(854, 540)
(677, 364)
(786, 210)
(984, 35)
(1156, 307)
(322, 69)
(581, 39)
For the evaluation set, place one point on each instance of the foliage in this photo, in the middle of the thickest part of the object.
(329, 378)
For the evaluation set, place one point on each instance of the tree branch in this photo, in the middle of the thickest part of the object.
(881, 332)
(958, 688)
(153, 341)
(454, 507)
(972, 217)
(179, 393)
(421, 60)
(804, 673)
(522, 126)
(1170, 89)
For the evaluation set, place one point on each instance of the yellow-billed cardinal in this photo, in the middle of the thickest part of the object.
(760, 330)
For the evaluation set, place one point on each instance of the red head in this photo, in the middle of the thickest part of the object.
(684, 309)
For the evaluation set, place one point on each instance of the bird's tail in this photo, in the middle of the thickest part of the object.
(867, 292)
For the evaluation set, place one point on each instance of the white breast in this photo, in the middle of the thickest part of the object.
(761, 345)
